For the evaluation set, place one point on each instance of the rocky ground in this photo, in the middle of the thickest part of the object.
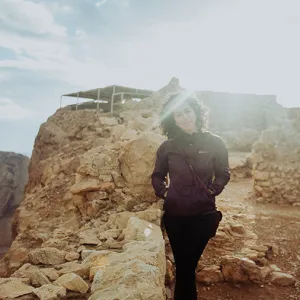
(267, 224)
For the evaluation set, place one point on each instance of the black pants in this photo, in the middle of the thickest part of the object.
(188, 238)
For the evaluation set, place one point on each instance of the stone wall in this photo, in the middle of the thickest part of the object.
(276, 162)
(240, 118)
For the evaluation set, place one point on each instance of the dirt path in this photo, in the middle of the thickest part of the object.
(279, 225)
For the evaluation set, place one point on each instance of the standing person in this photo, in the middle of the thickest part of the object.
(197, 164)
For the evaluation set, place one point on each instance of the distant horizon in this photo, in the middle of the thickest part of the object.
(28, 154)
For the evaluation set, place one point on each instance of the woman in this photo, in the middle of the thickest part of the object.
(197, 164)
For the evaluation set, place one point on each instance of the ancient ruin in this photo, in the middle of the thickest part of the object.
(89, 225)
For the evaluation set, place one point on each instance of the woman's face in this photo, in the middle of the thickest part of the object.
(185, 118)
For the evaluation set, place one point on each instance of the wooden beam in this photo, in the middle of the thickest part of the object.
(112, 100)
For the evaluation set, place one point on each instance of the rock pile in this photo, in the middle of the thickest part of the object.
(276, 164)
(89, 190)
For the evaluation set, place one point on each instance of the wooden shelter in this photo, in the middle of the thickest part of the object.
(113, 95)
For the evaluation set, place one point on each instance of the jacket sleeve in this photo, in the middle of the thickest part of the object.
(160, 172)
(221, 171)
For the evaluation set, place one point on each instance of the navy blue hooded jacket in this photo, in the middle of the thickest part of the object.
(208, 156)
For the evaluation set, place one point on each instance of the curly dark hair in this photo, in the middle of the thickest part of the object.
(167, 122)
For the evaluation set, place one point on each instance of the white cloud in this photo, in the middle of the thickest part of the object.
(4, 76)
(9, 110)
(236, 46)
(33, 17)
(100, 3)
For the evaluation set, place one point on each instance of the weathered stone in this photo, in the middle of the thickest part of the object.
(98, 258)
(232, 271)
(258, 175)
(142, 290)
(38, 279)
(13, 288)
(76, 268)
(284, 279)
(98, 195)
(86, 253)
(140, 230)
(130, 273)
(251, 269)
(72, 282)
(110, 233)
(108, 121)
(72, 256)
(265, 272)
(55, 243)
(275, 268)
(50, 273)
(50, 292)
(91, 184)
(47, 256)
(89, 237)
(25, 271)
(211, 274)
(136, 156)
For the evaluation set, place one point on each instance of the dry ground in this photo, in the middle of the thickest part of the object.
(271, 223)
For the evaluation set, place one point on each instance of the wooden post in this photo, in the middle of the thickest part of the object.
(77, 101)
(98, 98)
(112, 100)
(60, 101)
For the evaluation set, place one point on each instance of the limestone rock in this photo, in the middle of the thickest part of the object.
(110, 233)
(72, 282)
(142, 290)
(76, 268)
(47, 256)
(55, 243)
(235, 269)
(251, 269)
(38, 279)
(97, 258)
(86, 253)
(150, 215)
(89, 237)
(140, 230)
(120, 220)
(258, 175)
(131, 273)
(50, 292)
(72, 256)
(25, 271)
(98, 195)
(136, 158)
(91, 184)
(13, 288)
(108, 121)
(275, 268)
(211, 274)
(50, 273)
(284, 279)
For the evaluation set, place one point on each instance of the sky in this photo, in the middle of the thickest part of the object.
(53, 47)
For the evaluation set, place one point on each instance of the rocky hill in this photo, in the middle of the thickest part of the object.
(89, 225)
(13, 178)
